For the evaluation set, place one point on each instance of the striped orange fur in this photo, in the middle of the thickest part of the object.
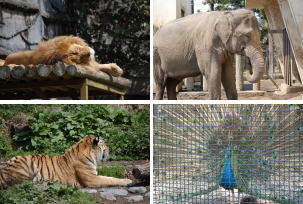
(76, 167)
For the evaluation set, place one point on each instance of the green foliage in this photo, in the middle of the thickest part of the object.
(119, 31)
(54, 131)
(116, 171)
(39, 193)
(8, 110)
(5, 145)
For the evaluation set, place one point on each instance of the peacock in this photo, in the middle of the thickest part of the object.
(228, 153)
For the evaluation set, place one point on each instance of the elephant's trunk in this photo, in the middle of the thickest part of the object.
(257, 62)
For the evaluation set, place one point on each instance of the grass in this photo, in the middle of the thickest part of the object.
(117, 171)
(30, 192)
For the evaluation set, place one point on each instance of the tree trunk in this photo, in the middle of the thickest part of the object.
(142, 172)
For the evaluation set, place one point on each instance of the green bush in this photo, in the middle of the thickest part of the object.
(9, 110)
(5, 145)
(39, 193)
(126, 132)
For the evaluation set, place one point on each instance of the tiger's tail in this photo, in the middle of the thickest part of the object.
(3, 180)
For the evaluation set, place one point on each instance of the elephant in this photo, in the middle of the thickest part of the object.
(204, 43)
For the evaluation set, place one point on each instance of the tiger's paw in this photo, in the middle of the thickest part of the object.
(126, 182)
(115, 70)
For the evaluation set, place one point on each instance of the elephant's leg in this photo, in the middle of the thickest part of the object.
(160, 77)
(160, 87)
(229, 80)
(214, 80)
(171, 88)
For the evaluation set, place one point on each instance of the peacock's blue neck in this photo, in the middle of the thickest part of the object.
(228, 179)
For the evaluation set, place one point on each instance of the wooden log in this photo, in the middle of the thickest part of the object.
(77, 71)
(5, 72)
(44, 70)
(142, 172)
(59, 69)
(31, 72)
(18, 71)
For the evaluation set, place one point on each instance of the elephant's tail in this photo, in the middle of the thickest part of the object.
(158, 72)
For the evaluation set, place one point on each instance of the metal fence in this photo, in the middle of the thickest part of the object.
(228, 154)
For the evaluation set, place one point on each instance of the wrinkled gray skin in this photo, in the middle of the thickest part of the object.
(204, 43)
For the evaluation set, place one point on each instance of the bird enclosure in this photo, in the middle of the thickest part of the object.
(228, 154)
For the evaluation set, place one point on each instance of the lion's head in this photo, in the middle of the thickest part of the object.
(80, 54)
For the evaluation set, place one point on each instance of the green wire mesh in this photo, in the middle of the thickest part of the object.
(189, 153)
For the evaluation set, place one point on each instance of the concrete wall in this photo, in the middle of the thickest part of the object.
(164, 11)
(184, 5)
(168, 10)
(284, 14)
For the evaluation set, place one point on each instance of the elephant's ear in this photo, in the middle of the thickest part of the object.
(223, 26)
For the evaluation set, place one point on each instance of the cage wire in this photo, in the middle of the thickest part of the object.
(261, 144)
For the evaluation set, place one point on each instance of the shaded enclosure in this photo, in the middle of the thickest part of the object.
(118, 31)
(195, 144)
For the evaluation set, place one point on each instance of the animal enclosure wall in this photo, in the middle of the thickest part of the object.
(228, 153)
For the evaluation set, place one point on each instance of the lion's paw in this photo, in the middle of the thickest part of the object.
(115, 70)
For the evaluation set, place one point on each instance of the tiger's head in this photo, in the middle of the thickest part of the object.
(92, 149)
(100, 148)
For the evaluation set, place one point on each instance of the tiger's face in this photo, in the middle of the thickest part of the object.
(101, 150)
(80, 54)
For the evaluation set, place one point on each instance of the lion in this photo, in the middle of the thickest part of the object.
(68, 49)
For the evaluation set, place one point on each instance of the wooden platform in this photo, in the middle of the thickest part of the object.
(55, 81)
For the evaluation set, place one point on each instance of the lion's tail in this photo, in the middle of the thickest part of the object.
(2, 62)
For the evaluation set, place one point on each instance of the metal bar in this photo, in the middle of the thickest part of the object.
(276, 31)
(270, 55)
(287, 52)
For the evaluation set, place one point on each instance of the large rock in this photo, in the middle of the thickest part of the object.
(139, 189)
(88, 190)
(107, 196)
(135, 198)
(115, 191)
(25, 23)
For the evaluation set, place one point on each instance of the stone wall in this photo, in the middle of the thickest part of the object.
(24, 23)
(118, 30)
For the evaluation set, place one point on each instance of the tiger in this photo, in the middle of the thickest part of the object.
(76, 167)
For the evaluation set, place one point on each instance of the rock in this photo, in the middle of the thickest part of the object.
(88, 190)
(107, 196)
(139, 189)
(115, 191)
(147, 194)
(135, 198)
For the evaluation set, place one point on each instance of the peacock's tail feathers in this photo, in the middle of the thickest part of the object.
(266, 141)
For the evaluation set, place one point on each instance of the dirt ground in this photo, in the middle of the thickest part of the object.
(268, 92)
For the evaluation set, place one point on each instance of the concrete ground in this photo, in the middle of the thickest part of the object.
(268, 92)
